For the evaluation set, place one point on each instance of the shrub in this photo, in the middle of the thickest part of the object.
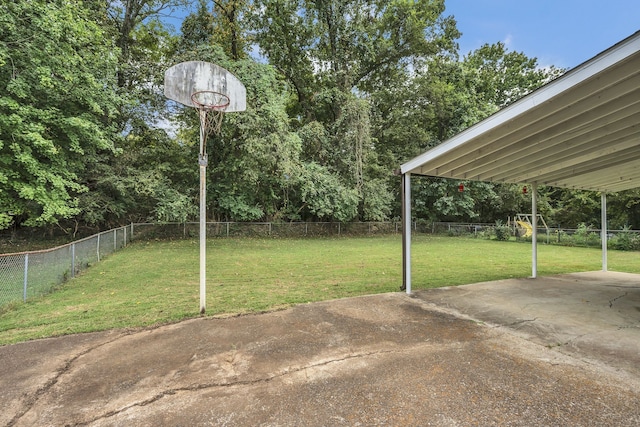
(586, 235)
(625, 240)
(503, 232)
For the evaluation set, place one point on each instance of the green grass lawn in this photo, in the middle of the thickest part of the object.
(152, 283)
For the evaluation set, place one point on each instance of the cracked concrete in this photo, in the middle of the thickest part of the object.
(612, 301)
(594, 316)
(436, 357)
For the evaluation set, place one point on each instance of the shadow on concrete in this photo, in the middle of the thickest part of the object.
(554, 351)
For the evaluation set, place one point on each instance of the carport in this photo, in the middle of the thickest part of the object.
(580, 131)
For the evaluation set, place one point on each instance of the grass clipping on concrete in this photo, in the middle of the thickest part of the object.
(151, 283)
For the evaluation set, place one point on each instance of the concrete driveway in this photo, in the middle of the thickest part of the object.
(551, 351)
(593, 316)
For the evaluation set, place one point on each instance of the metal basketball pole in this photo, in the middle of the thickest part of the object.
(212, 90)
(202, 161)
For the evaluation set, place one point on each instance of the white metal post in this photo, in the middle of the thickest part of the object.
(603, 235)
(534, 231)
(26, 275)
(202, 161)
(406, 232)
(73, 260)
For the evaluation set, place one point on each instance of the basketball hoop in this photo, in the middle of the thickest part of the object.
(213, 91)
(211, 106)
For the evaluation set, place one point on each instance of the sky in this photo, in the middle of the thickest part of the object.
(564, 33)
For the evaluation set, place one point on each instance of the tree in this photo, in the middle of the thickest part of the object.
(442, 98)
(254, 162)
(573, 207)
(197, 29)
(500, 77)
(428, 106)
(358, 44)
(256, 159)
(228, 27)
(143, 180)
(321, 46)
(624, 209)
(324, 196)
(334, 54)
(125, 19)
(150, 179)
(350, 91)
(57, 105)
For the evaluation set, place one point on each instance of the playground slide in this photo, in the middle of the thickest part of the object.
(528, 230)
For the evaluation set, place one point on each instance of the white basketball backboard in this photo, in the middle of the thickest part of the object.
(183, 80)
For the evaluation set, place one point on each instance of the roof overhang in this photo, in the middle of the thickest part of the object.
(580, 131)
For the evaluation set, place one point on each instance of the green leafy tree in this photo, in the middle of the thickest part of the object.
(500, 77)
(144, 179)
(624, 209)
(428, 106)
(254, 161)
(573, 207)
(134, 24)
(324, 196)
(334, 54)
(197, 29)
(57, 103)
(229, 27)
(345, 45)
(150, 179)
(444, 97)
(218, 22)
(257, 155)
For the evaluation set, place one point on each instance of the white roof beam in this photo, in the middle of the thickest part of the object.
(563, 123)
(602, 143)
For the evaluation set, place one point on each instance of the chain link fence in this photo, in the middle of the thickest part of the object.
(29, 274)
(583, 236)
(263, 229)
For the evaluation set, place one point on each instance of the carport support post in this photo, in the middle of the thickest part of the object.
(406, 232)
(603, 233)
(534, 231)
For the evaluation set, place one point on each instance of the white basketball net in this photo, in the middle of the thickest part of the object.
(211, 107)
(211, 120)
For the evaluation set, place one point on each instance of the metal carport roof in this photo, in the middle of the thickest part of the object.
(581, 130)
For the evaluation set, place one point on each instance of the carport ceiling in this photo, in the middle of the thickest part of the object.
(579, 131)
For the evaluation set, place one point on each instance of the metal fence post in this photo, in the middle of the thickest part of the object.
(98, 247)
(73, 260)
(26, 271)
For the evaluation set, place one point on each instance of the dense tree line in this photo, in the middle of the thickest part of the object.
(340, 93)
